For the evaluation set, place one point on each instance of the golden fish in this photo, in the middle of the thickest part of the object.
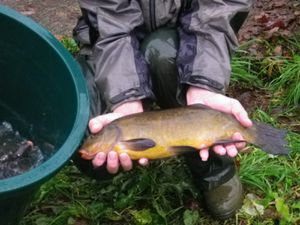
(165, 133)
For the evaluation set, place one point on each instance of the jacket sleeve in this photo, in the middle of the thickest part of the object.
(120, 69)
(207, 39)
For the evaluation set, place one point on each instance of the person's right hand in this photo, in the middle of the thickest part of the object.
(112, 158)
(224, 104)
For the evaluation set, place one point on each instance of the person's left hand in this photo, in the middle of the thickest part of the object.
(224, 104)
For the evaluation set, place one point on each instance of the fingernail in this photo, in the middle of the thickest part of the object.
(99, 159)
(123, 156)
(101, 155)
(203, 158)
(203, 146)
(112, 155)
(143, 161)
(222, 151)
(96, 125)
(250, 122)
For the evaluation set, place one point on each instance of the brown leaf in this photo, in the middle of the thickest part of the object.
(278, 4)
(262, 18)
(28, 12)
(277, 23)
(270, 33)
(278, 50)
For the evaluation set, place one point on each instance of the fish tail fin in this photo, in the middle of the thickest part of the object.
(271, 140)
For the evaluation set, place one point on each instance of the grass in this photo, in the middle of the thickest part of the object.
(243, 72)
(273, 180)
(289, 82)
(70, 44)
(164, 194)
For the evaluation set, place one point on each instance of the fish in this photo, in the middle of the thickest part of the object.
(17, 154)
(170, 132)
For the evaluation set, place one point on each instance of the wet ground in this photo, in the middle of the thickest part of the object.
(267, 18)
(58, 16)
(270, 18)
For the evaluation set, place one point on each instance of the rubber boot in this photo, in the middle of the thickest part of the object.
(223, 201)
(215, 178)
(218, 181)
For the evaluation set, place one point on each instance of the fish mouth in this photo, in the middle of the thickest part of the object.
(84, 154)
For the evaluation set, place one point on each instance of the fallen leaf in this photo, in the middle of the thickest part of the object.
(278, 50)
(251, 205)
(262, 18)
(28, 12)
(277, 23)
(278, 4)
(297, 13)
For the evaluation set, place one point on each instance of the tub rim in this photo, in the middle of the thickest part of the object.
(64, 153)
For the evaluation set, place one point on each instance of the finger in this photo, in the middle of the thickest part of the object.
(231, 150)
(238, 137)
(204, 154)
(97, 123)
(240, 113)
(99, 159)
(112, 162)
(144, 162)
(219, 149)
(125, 161)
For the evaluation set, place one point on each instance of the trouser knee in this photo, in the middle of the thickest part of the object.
(160, 51)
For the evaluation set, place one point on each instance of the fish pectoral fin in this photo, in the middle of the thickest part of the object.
(139, 144)
(229, 141)
(178, 150)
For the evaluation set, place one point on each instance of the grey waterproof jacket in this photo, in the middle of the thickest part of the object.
(111, 31)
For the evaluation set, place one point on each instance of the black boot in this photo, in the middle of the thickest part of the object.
(223, 202)
(217, 180)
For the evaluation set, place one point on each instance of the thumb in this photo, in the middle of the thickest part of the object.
(97, 123)
(240, 113)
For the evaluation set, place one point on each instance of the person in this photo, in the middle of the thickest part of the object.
(173, 52)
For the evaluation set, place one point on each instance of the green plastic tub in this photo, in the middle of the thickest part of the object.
(43, 95)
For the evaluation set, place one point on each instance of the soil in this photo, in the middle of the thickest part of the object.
(58, 16)
(270, 18)
(267, 17)
(251, 98)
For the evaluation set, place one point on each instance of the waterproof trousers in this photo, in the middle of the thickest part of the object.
(160, 50)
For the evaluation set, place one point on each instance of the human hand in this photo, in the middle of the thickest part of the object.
(224, 104)
(112, 158)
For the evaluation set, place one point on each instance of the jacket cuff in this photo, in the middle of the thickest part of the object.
(207, 83)
(201, 82)
(131, 94)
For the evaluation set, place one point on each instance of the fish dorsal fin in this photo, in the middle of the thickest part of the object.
(178, 150)
(199, 106)
(139, 144)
